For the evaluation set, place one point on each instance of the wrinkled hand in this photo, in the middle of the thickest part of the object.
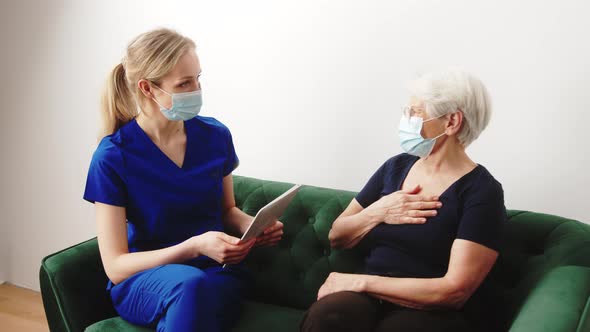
(271, 236)
(404, 207)
(222, 248)
(340, 282)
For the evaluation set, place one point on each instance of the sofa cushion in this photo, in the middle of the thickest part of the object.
(564, 292)
(258, 316)
(255, 316)
(116, 324)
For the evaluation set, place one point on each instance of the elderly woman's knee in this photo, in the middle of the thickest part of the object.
(344, 311)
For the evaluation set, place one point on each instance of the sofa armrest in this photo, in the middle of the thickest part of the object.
(559, 302)
(73, 287)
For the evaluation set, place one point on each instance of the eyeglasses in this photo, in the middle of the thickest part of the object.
(409, 111)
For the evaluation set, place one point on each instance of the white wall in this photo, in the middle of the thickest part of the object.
(310, 89)
(3, 254)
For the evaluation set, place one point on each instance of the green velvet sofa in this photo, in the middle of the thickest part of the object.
(543, 273)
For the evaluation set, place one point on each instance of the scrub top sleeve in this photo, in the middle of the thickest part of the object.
(104, 183)
(371, 192)
(232, 161)
(484, 217)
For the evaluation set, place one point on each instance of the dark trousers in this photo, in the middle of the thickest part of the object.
(358, 312)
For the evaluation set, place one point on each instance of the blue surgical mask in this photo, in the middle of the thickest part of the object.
(185, 105)
(410, 137)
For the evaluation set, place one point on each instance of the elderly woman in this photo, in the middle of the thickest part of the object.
(429, 219)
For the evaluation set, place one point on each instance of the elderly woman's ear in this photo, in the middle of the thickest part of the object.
(455, 123)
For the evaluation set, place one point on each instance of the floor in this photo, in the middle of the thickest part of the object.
(21, 310)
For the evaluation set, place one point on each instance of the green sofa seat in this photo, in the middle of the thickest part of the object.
(269, 317)
(542, 274)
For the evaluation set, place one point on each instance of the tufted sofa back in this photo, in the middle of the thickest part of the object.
(534, 245)
(291, 274)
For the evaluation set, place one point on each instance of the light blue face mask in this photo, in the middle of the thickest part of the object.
(411, 139)
(185, 105)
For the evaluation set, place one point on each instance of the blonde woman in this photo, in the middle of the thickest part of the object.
(161, 181)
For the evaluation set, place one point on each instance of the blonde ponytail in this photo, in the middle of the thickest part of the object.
(117, 106)
(150, 56)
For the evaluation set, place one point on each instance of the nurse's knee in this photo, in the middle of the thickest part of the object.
(194, 282)
(189, 280)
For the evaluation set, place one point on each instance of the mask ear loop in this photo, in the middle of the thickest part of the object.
(441, 135)
(434, 139)
(157, 102)
(166, 92)
(438, 117)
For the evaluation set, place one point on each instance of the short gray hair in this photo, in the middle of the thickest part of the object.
(451, 90)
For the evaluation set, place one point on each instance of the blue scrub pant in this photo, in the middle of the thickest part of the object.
(178, 297)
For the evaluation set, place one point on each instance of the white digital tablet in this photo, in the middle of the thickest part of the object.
(269, 213)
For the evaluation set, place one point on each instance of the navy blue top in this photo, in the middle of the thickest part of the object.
(165, 204)
(472, 209)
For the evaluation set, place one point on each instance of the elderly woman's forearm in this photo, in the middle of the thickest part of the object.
(348, 231)
(418, 293)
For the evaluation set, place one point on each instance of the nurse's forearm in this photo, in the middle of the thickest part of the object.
(126, 265)
(236, 221)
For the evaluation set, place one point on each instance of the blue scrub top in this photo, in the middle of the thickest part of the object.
(165, 204)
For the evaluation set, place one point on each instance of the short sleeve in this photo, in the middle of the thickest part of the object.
(104, 183)
(232, 161)
(372, 190)
(484, 216)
